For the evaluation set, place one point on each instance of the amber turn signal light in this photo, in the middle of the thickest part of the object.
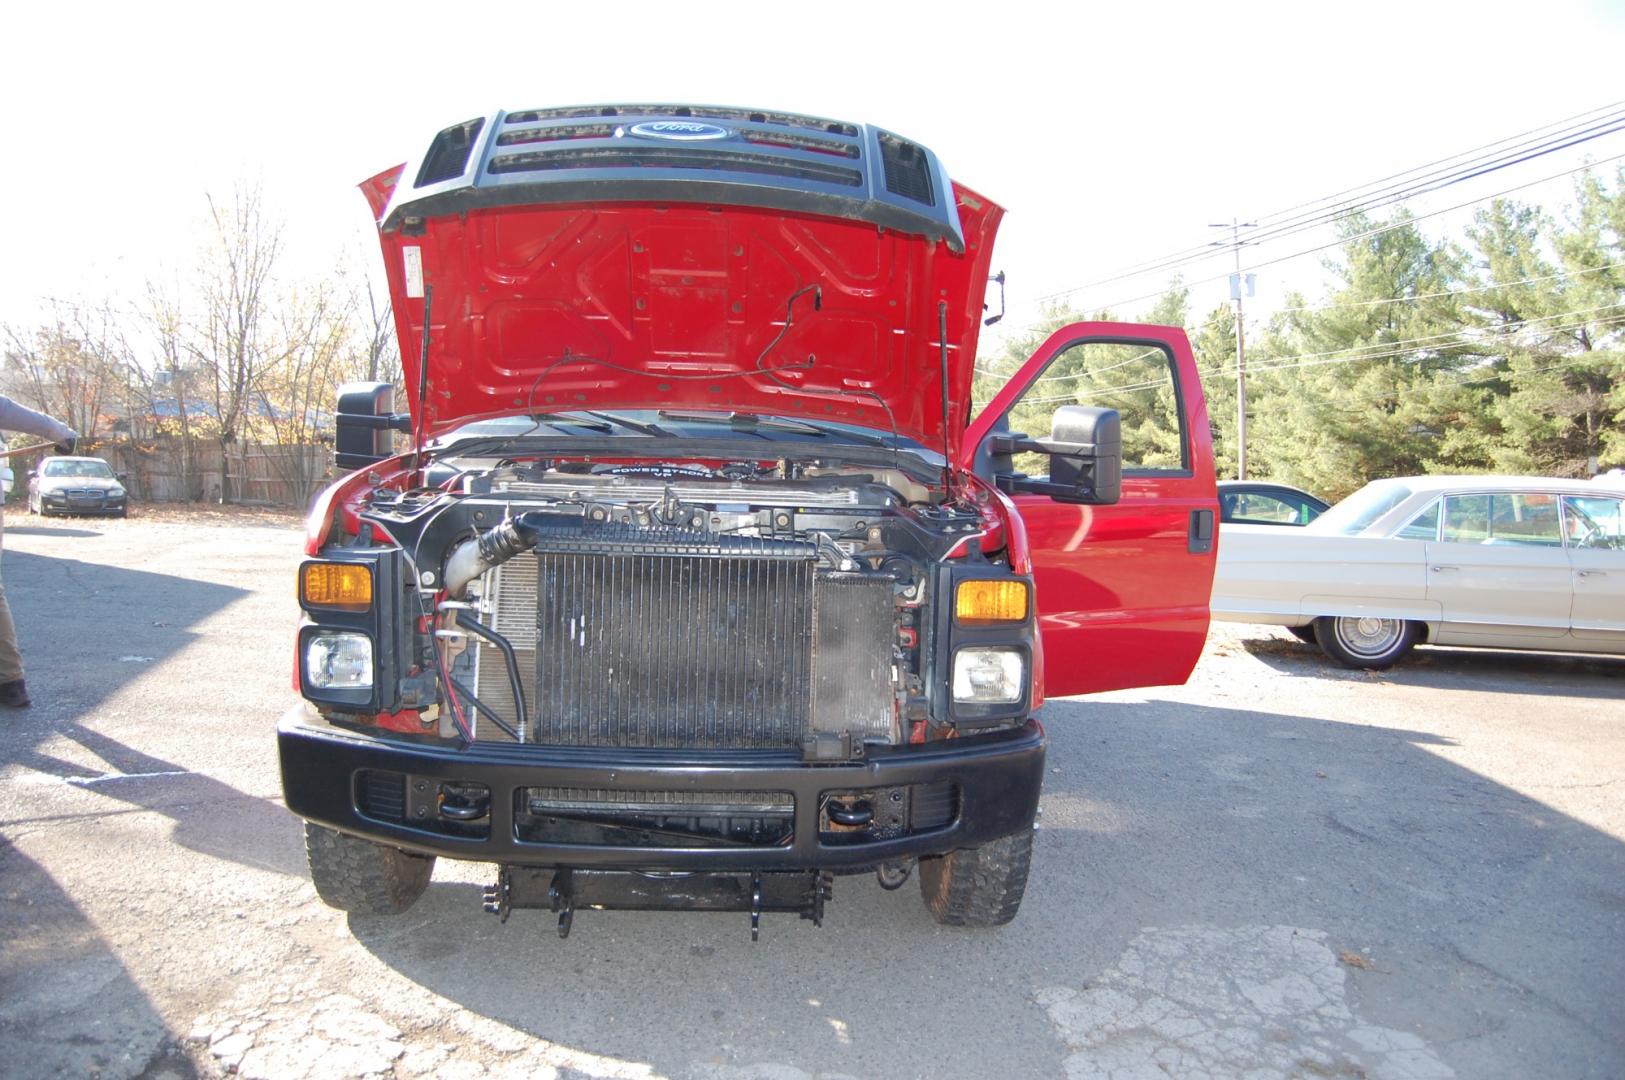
(344, 586)
(995, 601)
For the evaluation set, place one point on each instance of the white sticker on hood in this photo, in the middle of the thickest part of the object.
(412, 261)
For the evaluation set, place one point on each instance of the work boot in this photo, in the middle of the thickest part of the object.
(14, 695)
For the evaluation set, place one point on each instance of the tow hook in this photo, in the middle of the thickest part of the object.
(854, 813)
(464, 802)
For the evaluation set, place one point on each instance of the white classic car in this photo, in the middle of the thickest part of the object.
(1511, 562)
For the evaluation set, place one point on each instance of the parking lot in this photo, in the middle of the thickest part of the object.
(1281, 869)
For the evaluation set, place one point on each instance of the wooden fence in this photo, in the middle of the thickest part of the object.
(248, 474)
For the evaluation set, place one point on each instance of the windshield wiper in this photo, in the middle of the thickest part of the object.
(748, 424)
(654, 430)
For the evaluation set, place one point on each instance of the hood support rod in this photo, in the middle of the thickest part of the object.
(423, 377)
(942, 342)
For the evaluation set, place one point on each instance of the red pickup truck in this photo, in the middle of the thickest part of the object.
(703, 581)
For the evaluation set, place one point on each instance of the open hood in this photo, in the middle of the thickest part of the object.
(649, 289)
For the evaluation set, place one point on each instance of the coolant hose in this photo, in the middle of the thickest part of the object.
(491, 549)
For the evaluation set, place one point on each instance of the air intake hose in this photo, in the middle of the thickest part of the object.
(491, 549)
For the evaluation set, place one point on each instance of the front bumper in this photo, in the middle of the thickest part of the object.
(62, 504)
(998, 777)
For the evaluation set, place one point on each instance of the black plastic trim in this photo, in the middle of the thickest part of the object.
(998, 775)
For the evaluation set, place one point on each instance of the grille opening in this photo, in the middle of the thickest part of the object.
(907, 173)
(669, 819)
(448, 154)
(381, 794)
(789, 140)
(558, 133)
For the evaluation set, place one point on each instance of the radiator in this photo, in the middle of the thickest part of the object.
(640, 639)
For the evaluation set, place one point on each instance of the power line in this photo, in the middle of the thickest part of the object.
(1416, 181)
(1409, 221)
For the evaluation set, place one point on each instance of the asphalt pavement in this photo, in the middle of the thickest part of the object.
(1281, 869)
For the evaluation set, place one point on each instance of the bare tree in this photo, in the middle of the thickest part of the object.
(171, 385)
(320, 348)
(72, 366)
(233, 343)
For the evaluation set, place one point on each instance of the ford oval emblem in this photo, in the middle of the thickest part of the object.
(680, 130)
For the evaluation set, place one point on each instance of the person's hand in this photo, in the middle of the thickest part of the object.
(68, 445)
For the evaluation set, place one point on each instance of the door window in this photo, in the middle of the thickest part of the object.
(1135, 378)
(1592, 522)
(1513, 517)
(1258, 508)
(1424, 526)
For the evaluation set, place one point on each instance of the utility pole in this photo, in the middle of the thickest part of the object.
(1236, 290)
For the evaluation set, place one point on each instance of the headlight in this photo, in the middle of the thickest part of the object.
(342, 586)
(335, 660)
(989, 676)
(115, 492)
(991, 600)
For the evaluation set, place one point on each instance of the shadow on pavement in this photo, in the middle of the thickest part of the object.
(1500, 671)
(1489, 913)
(89, 628)
(49, 530)
(87, 1017)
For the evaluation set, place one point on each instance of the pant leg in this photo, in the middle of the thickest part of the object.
(11, 661)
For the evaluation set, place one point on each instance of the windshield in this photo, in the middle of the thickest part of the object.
(61, 467)
(1355, 514)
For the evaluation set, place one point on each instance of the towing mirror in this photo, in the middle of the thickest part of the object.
(363, 423)
(1085, 450)
(1088, 451)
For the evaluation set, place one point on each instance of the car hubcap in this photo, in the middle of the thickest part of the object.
(1368, 636)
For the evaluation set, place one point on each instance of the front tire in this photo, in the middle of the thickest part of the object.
(1364, 642)
(979, 886)
(362, 877)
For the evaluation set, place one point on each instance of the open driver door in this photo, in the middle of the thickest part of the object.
(1122, 583)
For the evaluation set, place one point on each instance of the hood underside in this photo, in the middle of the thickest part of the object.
(537, 305)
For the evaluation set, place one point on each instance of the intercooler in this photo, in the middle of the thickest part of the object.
(655, 638)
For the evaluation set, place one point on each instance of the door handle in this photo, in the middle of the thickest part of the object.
(1591, 573)
(1442, 569)
(1199, 541)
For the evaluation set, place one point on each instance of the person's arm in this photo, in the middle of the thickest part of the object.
(15, 417)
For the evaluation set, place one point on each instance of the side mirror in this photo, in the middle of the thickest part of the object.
(1085, 449)
(1088, 452)
(123, 478)
(363, 423)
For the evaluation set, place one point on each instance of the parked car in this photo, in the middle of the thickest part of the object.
(1514, 562)
(1262, 502)
(76, 485)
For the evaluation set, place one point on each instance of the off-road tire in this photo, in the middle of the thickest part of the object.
(362, 877)
(979, 886)
(1365, 643)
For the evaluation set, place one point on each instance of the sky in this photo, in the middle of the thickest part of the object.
(1111, 134)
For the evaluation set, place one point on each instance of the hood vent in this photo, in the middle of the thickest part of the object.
(447, 158)
(908, 172)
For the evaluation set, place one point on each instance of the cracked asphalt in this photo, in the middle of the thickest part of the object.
(1282, 869)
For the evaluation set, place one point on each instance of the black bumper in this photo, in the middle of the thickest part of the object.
(998, 778)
